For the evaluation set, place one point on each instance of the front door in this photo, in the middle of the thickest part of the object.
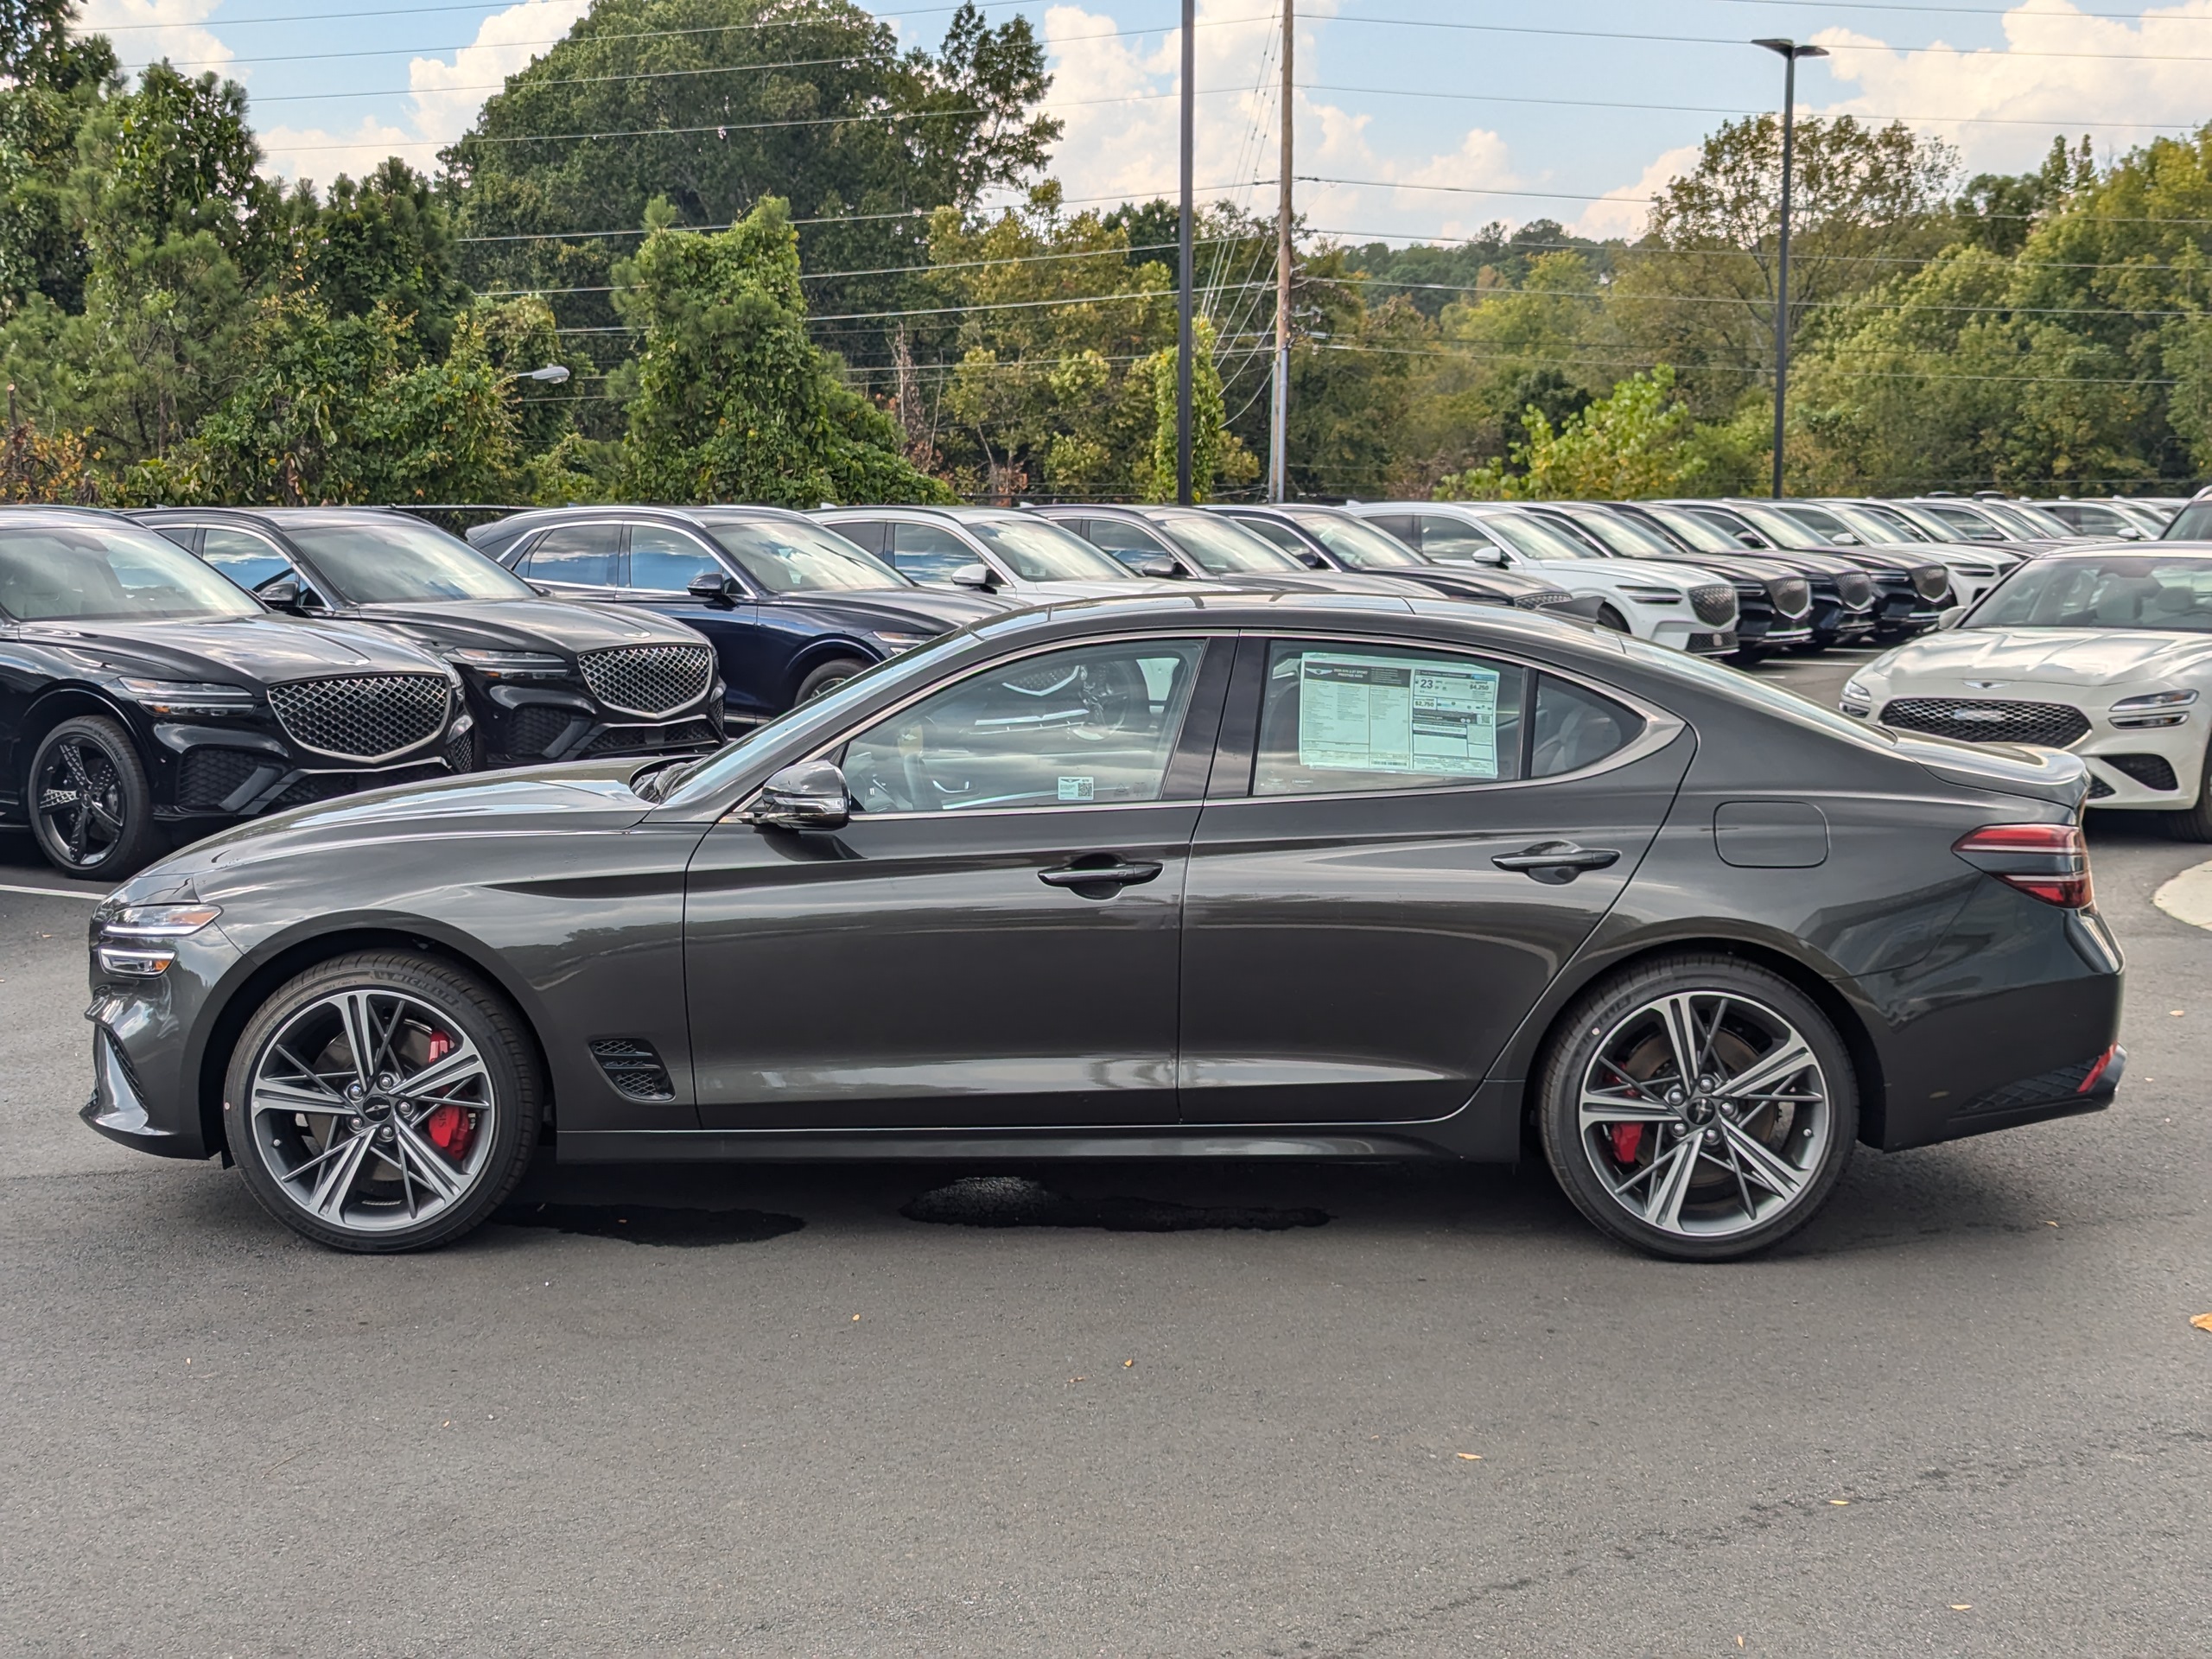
(1369, 913)
(992, 940)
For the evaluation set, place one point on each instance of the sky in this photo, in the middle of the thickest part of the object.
(1414, 119)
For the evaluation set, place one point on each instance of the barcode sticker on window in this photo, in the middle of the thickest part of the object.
(1077, 789)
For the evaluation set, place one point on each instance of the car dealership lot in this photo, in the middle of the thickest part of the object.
(1449, 1418)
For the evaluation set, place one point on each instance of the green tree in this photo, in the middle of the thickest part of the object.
(387, 241)
(1218, 461)
(1639, 439)
(733, 401)
(51, 85)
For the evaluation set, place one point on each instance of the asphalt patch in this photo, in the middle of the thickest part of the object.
(1014, 1201)
(647, 1224)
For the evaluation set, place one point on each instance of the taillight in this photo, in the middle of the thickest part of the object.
(2048, 861)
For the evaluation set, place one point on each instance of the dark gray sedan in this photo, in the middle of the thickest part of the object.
(1311, 875)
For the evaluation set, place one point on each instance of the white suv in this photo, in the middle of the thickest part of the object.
(1666, 602)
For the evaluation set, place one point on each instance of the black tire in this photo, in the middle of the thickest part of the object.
(1609, 1008)
(1607, 617)
(827, 677)
(107, 830)
(2195, 822)
(464, 1008)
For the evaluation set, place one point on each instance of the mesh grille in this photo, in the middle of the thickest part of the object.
(1855, 588)
(2151, 770)
(2050, 725)
(329, 785)
(1715, 604)
(652, 740)
(649, 679)
(1791, 596)
(536, 727)
(1931, 581)
(364, 718)
(1542, 600)
(461, 752)
(208, 775)
(633, 1067)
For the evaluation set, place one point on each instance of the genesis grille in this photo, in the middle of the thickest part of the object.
(1542, 600)
(2151, 770)
(1855, 588)
(369, 717)
(649, 679)
(534, 728)
(209, 777)
(633, 1067)
(1931, 581)
(1792, 596)
(1715, 604)
(461, 752)
(2048, 725)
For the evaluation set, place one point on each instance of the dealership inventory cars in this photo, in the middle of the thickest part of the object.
(1298, 874)
(143, 696)
(1332, 538)
(991, 549)
(545, 680)
(2107, 653)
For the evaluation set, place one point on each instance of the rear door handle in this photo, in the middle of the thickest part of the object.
(1556, 862)
(1100, 875)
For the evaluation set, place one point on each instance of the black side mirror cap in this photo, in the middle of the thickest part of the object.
(283, 594)
(713, 587)
(811, 795)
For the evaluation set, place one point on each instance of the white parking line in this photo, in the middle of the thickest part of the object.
(2187, 897)
(53, 893)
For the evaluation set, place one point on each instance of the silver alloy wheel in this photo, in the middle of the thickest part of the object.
(372, 1111)
(1705, 1113)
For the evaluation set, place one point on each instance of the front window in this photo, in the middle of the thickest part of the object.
(1885, 523)
(792, 557)
(2192, 524)
(92, 572)
(400, 561)
(575, 556)
(1700, 532)
(1533, 538)
(1361, 546)
(1088, 726)
(1962, 523)
(664, 561)
(1619, 534)
(1779, 528)
(2132, 591)
(1827, 523)
(247, 559)
(1036, 549)
(1220, 549)
(929, 552)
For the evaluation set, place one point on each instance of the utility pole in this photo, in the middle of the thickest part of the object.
(1791, 52)
(1183, 332)
(1278, 423)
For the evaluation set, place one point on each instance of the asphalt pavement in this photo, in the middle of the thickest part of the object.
(1388, 1412)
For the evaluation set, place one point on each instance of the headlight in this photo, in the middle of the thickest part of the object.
(512, 665)
(171, 697)
(2155, 699)
(136, 942)
(1652, 595)
(1853, 692)
(2152, 708)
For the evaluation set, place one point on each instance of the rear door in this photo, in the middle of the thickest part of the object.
(1403, 844)
(575, 561)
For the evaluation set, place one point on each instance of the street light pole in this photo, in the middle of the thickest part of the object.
(1278, 423)
(1789, 52)
(1183, 332)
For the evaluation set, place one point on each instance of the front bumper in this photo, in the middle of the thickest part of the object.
(121, 1106)
(238, 771)
(530, 726)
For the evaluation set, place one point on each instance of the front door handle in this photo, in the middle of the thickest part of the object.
(1557, 862)
(1116, 873)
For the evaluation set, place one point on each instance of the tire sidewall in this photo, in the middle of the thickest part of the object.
(826, 677)
(482, 1016)
(1599, 1011)
(138, 842)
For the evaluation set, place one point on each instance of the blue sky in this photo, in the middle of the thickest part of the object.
(1500, 114)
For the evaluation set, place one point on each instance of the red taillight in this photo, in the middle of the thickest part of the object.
(2048, 861)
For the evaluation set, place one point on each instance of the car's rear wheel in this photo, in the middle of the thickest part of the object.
(90, 805)
(1698, 1107)
(383, 1102)
(827, 677)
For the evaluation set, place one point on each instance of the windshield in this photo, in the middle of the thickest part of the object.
(787, 556)
(1826, 523)
(1359, 545)
(1222, 550)
(1532, 538)
(1961, 522)
(1037, 550)
(2135, 591)
(2192, 524)
(2032, 519)
(1881, 524)
(400, 561)
(96, 573)
(1620, 534)
(1777, 527)
(1700, 532)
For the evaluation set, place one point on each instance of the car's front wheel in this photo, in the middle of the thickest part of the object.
(827, 677)
(384, 1101)
(90, 805)
(1698, 1107)
(2195, 822)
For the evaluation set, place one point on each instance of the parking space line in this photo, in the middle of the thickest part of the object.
(52, 892)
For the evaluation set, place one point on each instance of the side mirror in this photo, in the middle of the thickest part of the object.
(979, 575)
(1491, 555)
(713, 587)
(1844, 538)
(1158, 569)
(284, 594)
(1952, 618)
(1312, 559)
(809, 796)
(1751, 538)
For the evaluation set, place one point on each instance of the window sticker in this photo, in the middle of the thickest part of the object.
(1078, 789)
(1386, 713)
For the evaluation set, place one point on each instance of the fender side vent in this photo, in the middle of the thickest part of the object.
(633, 1067)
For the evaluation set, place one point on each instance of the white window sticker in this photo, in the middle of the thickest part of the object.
(1385, 714)
(1078, 789)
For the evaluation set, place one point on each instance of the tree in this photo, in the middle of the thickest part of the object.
(1637, 440)
(387, 241)
(733, 401)
(51, 87)
(1219, 461)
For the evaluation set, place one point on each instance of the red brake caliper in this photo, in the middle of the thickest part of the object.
(449, 1126)
(1628, 1138)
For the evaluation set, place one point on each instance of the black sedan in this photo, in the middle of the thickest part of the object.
(1297, 875)
(790, 608)
(143, 697)
(546, 680)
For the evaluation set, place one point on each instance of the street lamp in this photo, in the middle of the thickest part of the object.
(1789, 52)
(553, 374)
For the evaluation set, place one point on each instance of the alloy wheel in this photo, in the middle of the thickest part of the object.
(372, 1111)
(1705, 1115)
(81, 804)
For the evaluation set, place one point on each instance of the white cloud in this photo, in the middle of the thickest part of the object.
(144, 31)
(443, 101)
(1622, 211)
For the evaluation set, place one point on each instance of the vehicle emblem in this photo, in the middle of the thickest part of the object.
(1982, 685)
(1987, 716)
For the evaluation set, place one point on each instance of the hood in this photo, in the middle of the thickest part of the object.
(561, 625)
(266, 648)
(1477, 581)
(1101, 588)
(903, 610)
(2044, 657)
(1685, 573)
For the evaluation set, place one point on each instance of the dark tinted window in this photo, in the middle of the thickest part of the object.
(247, 559)
(667, 561)
(1400, 525)
(869, 535)
(578, 555)
(395, 560)
(790, 556)
(1280, 535)
(2192, 524)
(1127, 540)
(62, 572)
(928, 552)
(1574, 728)
(1344, 717)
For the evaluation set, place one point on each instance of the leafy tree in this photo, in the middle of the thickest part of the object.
(52, 84)
(387, 241)
(733, 401)
(1997, 210)
(1636, 440)
(1218, 461)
